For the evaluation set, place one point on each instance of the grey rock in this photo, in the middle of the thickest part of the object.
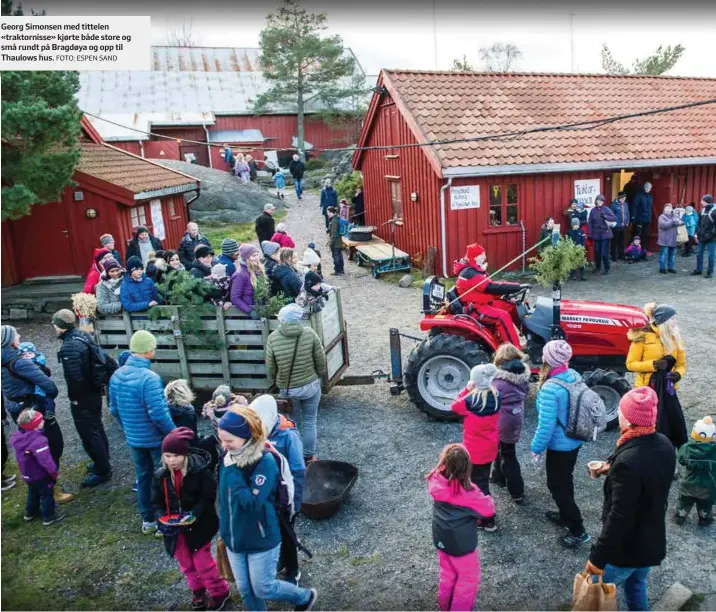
(223, 198)
(675, 597)
(18, 313)
(405, 281)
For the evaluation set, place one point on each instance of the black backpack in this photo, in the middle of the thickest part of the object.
(102, 366)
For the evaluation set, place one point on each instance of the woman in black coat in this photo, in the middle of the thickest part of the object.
(185, 487)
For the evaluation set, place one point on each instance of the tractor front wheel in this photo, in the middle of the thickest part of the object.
(610, 387)
(437, 370)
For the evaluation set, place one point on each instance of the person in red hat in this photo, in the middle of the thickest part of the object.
(476, 290)
(184, 496)
(636, 491)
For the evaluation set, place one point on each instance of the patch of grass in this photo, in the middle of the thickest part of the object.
(394, 277)
(96, 559)
(695, 602)
(241, 232)
(343, 552)
(369, 560)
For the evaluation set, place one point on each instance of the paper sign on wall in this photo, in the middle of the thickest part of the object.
(157, 219)
(462, 198)
(586, 190)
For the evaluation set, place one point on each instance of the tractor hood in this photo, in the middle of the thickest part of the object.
(601, 313)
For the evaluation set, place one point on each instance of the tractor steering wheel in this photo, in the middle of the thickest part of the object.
(518, 297)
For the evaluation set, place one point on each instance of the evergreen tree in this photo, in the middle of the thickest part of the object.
(659, 62)
(462, 65)
(301, 64)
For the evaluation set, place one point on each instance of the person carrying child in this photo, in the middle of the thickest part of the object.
(220, 286)
(479, 403)
(512, 381)
(283, 435)
(37, 467)
(577, 235)
(314, 292)
(458, 508)
(184, 488)
(698, 483)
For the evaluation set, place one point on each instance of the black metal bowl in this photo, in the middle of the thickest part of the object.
(327, 486)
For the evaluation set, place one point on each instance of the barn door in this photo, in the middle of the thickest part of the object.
(43, 242)
(197, 152)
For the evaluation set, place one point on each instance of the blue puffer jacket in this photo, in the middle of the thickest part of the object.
(553, 409)
(287, 441)
(621, 212)
(247, 516)
(136, 295)
(137, 401)
(21, 383)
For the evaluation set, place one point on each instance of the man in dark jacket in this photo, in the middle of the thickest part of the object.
(601, 221)
(142, 244)
(636, 491)
(643, 203)
(85, 398)
(334, 231)
(201, 266)
(297, 168)
(620, 208)
(706, 234)
(265, 224)
(358, 207)
(329, 197)
(187, 245)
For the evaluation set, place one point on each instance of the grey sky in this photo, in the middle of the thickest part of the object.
(400, 34)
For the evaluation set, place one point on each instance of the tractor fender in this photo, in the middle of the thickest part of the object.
(460, 325)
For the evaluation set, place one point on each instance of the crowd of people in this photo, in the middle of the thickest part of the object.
(621, 231)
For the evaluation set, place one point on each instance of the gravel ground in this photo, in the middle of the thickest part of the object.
(377, 552)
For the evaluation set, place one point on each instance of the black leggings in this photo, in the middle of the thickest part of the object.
(560, 482)
(506, 470)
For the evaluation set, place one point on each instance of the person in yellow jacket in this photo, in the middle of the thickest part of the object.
(658, 356)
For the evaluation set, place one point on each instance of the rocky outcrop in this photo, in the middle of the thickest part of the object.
(223, 198)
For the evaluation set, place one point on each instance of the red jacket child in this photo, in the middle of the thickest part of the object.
(282, 238)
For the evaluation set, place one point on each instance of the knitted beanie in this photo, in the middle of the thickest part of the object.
(142, 341)
(708, 198)
(236, 425)
(639, 407)
(218, 270)
(290, 313)
(64, 319)
(222, 391)
(247, 250)
(203, 251)
(177, 441)
(474, 251)
(483, 375)
(106, 239)
(575, 221)
(557, 353)
(111, 264)
(101, 254)
(8, 334)
(269, 247)
(134, 263)
(600, 198)
(662, 313)
(229, 246)
(265, 406)
(704, 430)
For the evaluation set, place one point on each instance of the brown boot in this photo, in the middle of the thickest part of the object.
(61, 497)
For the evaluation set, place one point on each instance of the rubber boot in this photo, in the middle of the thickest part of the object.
(60, 496)
(581, 274)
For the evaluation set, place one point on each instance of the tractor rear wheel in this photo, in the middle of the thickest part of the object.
(437, 370)
(610, 387)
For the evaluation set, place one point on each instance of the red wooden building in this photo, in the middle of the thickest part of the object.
(498, 192)
(115, 192)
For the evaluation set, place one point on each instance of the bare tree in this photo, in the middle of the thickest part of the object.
(659, 62)
(500, 57)
(181, 35)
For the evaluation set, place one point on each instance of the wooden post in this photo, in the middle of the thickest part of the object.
(183, 363)
(265, 331)
(223, 346)
(429, 263)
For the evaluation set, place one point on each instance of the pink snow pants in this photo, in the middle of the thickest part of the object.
(459, 581)
(200, 569)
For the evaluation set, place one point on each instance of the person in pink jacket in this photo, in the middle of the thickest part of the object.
(479, 404)
(283, 238)
(457, 508)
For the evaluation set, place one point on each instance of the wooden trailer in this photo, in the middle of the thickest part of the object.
(235, 356)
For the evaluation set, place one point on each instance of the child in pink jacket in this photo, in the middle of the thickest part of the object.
(479, 402)
(282, 237)
(458, 506)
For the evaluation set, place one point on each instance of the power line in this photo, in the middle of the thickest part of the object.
(578, 125)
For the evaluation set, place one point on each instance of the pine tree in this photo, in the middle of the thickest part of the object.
(659, 62)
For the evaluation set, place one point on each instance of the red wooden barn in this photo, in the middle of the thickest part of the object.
(115, 192)
(498, 192)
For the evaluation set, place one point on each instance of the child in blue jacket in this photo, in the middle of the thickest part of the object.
(138, 292)
(577, 235)
(280, 181)
(691, 220)
(553, 413)
(284, 436)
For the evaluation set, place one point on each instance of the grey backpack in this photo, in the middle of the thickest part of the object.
(587, 413)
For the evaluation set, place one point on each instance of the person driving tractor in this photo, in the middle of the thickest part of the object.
(477, 292)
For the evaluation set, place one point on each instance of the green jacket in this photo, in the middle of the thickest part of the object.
(310, 361)
(699, 458)
(334, 230)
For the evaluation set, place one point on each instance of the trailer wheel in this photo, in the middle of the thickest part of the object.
(437, 370)
(375, 271)
(359, 259)
(610, 387)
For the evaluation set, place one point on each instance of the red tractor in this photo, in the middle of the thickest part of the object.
(460, 338)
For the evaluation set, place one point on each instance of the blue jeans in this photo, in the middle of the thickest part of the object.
(40, 496)
(601, 254)
(146, 460)
(633, 579)
(298, 184)
(337, 259)
(670, 253)
(711, 247)
(256, 580)
(306, 400)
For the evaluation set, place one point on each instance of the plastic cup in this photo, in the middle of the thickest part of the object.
(594, 467)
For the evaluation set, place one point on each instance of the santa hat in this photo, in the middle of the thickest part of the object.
(474, 251)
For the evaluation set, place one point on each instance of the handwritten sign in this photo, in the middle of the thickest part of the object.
(586, 190)
(157, 219)
(463, 198)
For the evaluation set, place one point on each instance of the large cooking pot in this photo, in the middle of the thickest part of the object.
(361, 233)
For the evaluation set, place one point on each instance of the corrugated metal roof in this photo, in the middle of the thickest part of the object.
(122, 124)
(206, 59)
(236, 136)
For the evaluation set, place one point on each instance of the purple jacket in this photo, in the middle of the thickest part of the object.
(668, 225)
(513, 382)
(242, 291)
(33, 455)
(598, 228)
